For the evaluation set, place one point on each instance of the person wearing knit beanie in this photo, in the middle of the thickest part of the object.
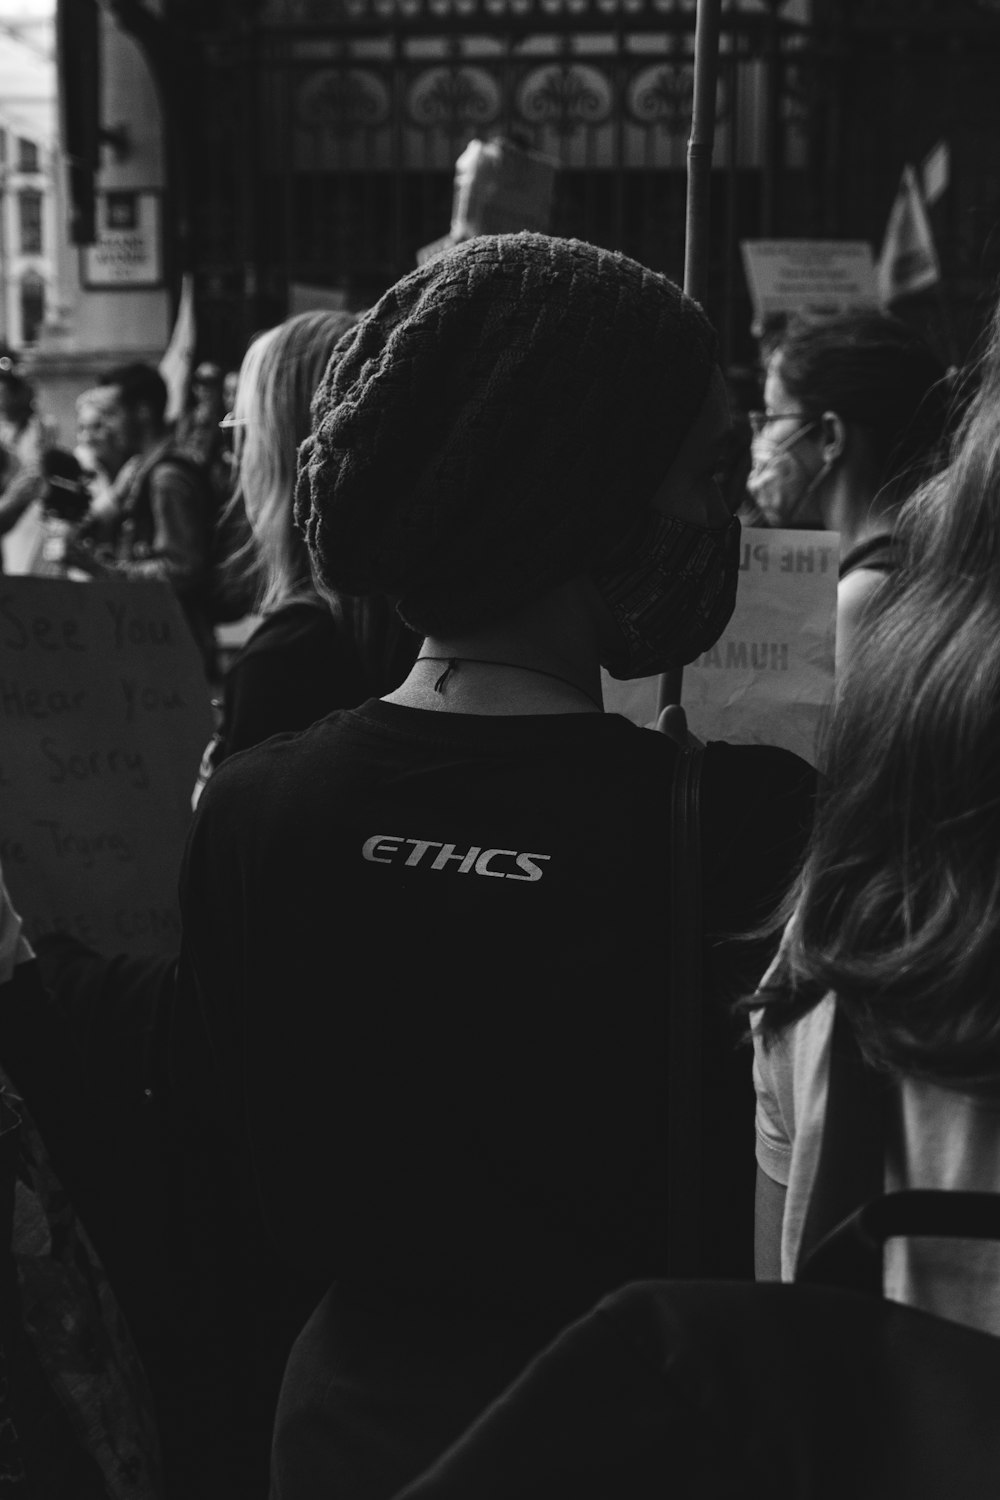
(426, 940)
(494, 425)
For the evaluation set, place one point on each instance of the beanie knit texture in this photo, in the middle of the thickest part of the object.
(495, 424)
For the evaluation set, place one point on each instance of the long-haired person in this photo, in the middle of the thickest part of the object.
(855, 408)
(425, 940)
(312, 652)
(897, 916)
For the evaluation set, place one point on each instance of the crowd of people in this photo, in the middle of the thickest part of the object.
(410, 1120)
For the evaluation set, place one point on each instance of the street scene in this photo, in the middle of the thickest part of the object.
(448, 446)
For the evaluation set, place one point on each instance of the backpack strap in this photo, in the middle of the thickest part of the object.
(684, 1018)
(879, 554)
(850, 1216)
(850, 1171)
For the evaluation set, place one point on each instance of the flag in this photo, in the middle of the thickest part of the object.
(935, 172)
(175, 366)
(909, 261)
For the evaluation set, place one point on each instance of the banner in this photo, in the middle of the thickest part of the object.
(909, 261)
(501, 188)
(935, 173)
(105, 712)
(769, 680)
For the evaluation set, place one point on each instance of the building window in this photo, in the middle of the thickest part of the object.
(27, 155)
(30, 210)
(32, 306)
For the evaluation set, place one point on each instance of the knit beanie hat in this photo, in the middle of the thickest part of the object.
(495, 424)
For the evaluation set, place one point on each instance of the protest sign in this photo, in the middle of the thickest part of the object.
(104, 713)
(809, 276)
(501, 188)
(769, 679)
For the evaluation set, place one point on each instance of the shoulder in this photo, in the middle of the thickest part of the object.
(756, 815)
(283, 764)
(799, 1051)
(292, 626)
(750, 781)
(855, 593)
(791, 1067)
(173, 470)
(856, 588)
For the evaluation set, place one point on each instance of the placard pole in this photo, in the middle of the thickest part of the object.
(699, 185)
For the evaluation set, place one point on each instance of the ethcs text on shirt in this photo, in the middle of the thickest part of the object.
(384, 848)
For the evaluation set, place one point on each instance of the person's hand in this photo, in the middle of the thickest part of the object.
(672, 722)
(84, 560)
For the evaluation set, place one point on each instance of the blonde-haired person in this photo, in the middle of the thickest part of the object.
(313, 652)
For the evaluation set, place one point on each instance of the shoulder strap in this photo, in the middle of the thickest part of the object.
(850, 1216)
(878, 554)
(851, 1169)
(684, 1018)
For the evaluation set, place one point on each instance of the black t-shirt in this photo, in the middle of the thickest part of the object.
(297, 666)
(430, 956)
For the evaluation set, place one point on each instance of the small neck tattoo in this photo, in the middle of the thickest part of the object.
(454, 662)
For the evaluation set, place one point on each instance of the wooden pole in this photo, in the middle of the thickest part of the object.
(700, 145)
(699, 184)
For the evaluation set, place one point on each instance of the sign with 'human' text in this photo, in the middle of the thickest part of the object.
(769, 679)
(104, 713)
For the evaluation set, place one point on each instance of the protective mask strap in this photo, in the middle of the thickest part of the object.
(810, 489)
(785, 445)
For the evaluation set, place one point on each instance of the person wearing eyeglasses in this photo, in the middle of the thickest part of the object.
(312, 652)
(156, 518)
(855, 410)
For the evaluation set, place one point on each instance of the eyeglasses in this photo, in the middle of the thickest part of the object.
(229, 421)
(760, 419)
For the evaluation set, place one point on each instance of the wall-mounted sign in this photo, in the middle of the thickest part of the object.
(128, 250)
(811, 276)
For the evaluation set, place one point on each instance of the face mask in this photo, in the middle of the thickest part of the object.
(779, 482)
(673, 597)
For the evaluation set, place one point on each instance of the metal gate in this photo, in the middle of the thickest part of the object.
(328, 132)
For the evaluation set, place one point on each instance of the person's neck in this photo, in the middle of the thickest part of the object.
(857, 520)
(510, 670)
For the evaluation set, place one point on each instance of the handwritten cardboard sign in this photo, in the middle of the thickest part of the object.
(769, 679)
(104, 713)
